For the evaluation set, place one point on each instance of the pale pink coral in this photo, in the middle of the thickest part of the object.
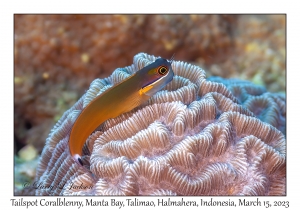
(195, 137)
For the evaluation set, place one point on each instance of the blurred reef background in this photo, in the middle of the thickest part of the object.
(56, 57)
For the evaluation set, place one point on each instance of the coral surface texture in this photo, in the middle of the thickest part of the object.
(197, 136)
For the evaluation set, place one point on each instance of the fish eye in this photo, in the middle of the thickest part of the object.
(162, 70)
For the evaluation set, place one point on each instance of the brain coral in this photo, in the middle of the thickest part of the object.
(195, 137)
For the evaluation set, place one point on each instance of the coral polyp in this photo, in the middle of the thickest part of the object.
(195, 137)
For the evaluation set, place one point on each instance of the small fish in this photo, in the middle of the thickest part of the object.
(119, 99)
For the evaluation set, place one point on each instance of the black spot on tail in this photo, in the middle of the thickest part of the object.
(80, 161)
